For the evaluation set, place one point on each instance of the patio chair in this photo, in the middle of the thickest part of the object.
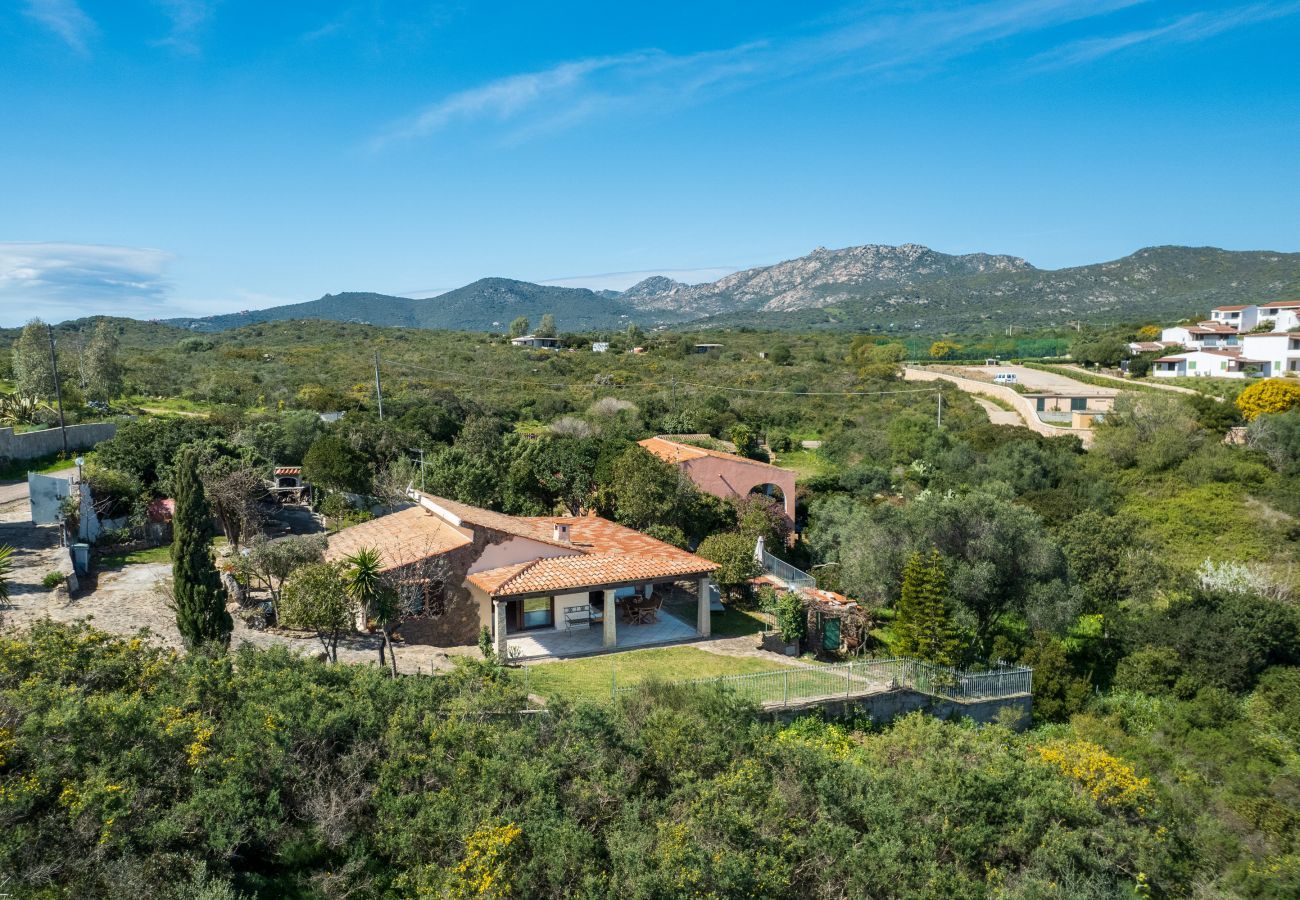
(648, 612)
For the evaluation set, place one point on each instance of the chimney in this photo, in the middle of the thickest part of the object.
(561, 533)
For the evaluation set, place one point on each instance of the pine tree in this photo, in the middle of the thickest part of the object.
(199, 596)
(923, 626)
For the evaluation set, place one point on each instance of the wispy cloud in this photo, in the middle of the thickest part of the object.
(621, 281)
(66, 19)
(573, 91)
(64, 280)
(1188, 29)
(187, 19)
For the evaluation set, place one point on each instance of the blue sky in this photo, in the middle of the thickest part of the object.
(184, 157)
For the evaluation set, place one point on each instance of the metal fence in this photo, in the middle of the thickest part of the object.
(783, 571)
(803, 684)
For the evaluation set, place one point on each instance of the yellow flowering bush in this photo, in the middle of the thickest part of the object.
(1108, 780)
(484, 871)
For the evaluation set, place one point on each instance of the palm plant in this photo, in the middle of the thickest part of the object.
(363, 579)
(6, 566)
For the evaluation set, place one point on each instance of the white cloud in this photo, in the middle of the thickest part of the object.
(66, 281)
(1198, 26)
(572, 91)
(66, 19)
(187, 19)
(621, 281)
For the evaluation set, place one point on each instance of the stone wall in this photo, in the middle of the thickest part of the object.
(35, 444)
(460, 623)
(889, 705)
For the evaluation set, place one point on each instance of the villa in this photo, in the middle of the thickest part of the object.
(727, 475)
(541, 585)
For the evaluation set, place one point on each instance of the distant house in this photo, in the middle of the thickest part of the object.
(535, 342)
(727, 475)
(1209, 364)
(705, 348)
(600, 347)
(541, 585)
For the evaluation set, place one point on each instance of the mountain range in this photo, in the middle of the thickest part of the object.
(871, 287)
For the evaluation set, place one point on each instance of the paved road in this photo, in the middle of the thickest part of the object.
(17, 490)
(1033, 379)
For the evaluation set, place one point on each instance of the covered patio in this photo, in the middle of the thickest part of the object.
(643, 615)
(584, 641)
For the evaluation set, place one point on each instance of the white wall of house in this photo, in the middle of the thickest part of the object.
(1283, 319)
(1177, 333)
(1271, 348)
(1197, 364)
(1241, 319)
(516, 550)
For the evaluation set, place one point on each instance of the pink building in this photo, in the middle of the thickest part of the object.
(727, 475)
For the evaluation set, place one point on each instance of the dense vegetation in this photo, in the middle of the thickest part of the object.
(127, 771)
(1150, 582)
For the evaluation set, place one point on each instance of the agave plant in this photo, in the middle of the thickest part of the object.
(6, 566)
(20, 409)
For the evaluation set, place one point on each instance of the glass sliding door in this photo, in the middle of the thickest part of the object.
(537, 613)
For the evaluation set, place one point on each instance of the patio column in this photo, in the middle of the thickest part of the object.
(703, 616)
(499, 629)
(610, 621)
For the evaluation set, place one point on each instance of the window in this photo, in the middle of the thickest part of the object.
(537, 613)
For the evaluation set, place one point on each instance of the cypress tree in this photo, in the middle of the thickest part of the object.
(200, 597)
(923, 626)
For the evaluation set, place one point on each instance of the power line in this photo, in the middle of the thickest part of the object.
(670, 384)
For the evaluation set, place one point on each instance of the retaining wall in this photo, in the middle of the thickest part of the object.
(35, 444)
(1023, 405)
(889, 705)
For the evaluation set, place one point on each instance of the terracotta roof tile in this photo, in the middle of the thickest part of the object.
(401, 538)
(588, 570)
(671, 451)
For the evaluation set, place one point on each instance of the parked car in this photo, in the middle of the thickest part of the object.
(1004, 378)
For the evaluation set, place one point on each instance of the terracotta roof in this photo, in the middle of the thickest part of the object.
(674, 452)
(401, 538)
(1229, 308)
(536, 529)
(288, 470)
(1281, 304)
(603, 552)
(1213, 328)
(560, 573)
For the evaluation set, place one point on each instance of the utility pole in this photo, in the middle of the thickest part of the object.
(939, 417)
(420, 450)
(58, 392)
(379, 392)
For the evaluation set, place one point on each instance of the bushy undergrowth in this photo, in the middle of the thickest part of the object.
(128, 771)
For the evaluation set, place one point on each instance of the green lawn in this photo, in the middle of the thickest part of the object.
(152, 555)
(590, 678)
(737, 623)
(806, 463)
(136, 557)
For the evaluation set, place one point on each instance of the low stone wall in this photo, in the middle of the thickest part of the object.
(889, 705)
(35, 444)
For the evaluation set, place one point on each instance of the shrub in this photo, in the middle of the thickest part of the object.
(791, 618)
(1272, 395)
(53, 579)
